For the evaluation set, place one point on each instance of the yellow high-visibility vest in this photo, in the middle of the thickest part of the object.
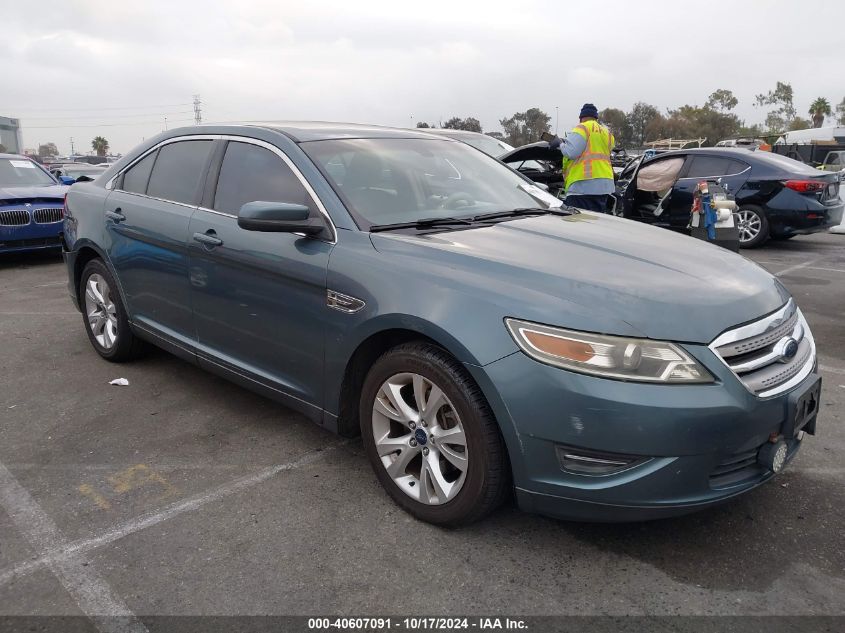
(594, 161)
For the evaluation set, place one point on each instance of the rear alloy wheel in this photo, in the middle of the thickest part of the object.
(105, 317)
(752, 225)
(431, 437)
(101, 311)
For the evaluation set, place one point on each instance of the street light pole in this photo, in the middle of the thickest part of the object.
(557, 118)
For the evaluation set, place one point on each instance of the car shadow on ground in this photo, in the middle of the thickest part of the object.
(751, 542)
(30, 259)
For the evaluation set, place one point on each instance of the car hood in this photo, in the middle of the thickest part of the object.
(28, 193)
(533, 151)
(596, 273)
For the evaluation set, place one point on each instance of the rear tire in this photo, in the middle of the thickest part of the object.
(753, 226)
(431, 437)
(104, 315)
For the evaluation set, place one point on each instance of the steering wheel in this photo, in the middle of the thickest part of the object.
(459, 196)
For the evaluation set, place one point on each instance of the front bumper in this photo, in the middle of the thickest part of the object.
(31, 237)
(700, 441)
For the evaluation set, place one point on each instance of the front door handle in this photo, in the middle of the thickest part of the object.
(209, 238)
(115, 215)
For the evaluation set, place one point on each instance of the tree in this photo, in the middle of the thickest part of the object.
(48, 149)
(3, 149)
(615, 119)
(638, 119)
(525, 127)
(782, 115)
(819, 109)
(497, 135)
(800, 124)
(471, 124)
(840, 112)
(423, 124)
(100, 145)
(721, 100)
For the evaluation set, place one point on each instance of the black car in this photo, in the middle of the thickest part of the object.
(539, 163)
(777, 197)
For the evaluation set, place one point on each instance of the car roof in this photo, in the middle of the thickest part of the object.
(453, 133)
(305, 131)
(15, 156)
(760, 159)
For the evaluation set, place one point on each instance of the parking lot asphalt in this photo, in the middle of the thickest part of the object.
(184, 494)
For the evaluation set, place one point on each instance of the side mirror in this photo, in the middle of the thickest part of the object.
(278, 217)
(66, 180)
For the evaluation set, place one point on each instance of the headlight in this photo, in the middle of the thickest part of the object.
(616, 357)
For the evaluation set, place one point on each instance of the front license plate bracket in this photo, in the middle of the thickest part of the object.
(802, 410)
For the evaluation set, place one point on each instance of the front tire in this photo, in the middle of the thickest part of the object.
(104, 315)
(431, 437)
(753, 226)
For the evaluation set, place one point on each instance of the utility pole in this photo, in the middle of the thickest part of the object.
(72, 152)
(557, 118)
(197, 110)
(165, 123)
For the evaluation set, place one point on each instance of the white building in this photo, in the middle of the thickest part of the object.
(10, 135)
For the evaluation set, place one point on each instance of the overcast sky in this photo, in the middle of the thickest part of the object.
(83, 68)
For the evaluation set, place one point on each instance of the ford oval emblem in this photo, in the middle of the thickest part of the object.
(421, 437)
(789, 350)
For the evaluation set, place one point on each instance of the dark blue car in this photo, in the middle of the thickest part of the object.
(482, 339)
(31, 202)
(777, 197)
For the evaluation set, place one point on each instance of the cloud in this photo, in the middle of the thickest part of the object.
(385, 62)
(588, 77)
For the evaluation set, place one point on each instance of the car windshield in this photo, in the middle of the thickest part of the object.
(789, 164)
(90, 170)
(388, 181)
(22, 172)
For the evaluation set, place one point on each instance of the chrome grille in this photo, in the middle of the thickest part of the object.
(47, 215)
(14, 217)
(757, 353)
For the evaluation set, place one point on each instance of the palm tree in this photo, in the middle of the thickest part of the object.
(819, 109)
(101, 145)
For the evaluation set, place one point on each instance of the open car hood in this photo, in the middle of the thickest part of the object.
(533, 151)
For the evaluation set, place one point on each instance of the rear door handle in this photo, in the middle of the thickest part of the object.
(209, 238)
(115, 215)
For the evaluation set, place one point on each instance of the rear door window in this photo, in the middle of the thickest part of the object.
(250, 173)
(178, 170)
(136, 178)
(710, 166)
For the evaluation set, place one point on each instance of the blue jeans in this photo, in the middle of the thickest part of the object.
(588, 203)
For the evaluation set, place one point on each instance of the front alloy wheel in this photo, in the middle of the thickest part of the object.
(752, 225)
(420, 438)
(431, 437)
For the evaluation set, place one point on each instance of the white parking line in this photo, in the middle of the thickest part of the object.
(830, 270)
(39, 314)
(797, 267)
(90, 592)
(63, 552)
(832, 370)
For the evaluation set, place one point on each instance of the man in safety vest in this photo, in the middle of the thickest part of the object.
(587, 173)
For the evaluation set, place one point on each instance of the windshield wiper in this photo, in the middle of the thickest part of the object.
(522, 211)
(423, 223)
